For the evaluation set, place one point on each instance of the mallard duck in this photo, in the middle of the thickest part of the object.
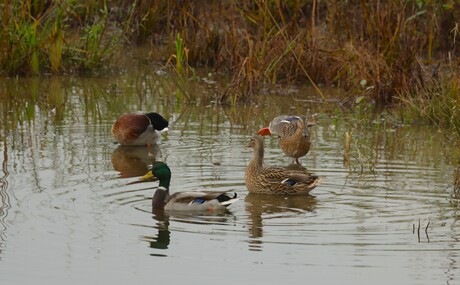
(292, 131)
(273, 180)
(139, 129)
(183, 201)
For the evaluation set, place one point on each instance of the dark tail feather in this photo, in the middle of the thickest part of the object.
(224, 198)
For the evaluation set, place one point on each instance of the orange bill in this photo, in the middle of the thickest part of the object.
(264, 132)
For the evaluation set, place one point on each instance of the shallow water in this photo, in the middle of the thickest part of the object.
(68, 215)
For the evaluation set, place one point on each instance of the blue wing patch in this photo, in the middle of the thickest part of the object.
(291, 119)
(199, 201)
(289, 181)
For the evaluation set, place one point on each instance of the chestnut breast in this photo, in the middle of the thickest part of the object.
(129, 127)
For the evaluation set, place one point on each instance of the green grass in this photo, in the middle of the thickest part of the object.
(39, 36)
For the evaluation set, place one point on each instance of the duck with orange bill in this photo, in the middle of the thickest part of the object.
(292, 131)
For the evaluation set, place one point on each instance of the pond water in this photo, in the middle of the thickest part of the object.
(68, 215)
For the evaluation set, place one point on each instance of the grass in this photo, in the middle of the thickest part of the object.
(37, 37)
(436, 100)
(382, 55)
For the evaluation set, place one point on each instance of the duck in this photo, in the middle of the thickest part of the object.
(184, 201)
(139, 129)
(292, 131)
(275, 180)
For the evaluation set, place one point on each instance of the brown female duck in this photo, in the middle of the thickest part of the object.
(139, 129)
(292, 131)
(259, 179)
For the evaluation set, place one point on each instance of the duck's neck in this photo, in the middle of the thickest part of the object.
(161, 195)
(164, 182)
(256, 164)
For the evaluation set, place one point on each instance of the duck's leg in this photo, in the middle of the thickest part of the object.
(297, 161)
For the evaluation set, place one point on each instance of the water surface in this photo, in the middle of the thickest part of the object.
(68, 216)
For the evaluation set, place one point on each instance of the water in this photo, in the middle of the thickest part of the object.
(68, 215)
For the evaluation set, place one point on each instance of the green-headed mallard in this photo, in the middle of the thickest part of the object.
(183, 201)
(292, 131)
(259, 179)
(139, 129)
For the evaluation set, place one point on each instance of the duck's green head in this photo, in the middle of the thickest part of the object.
(160, 171)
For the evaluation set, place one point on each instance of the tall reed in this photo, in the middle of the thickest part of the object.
(40, 36)
(434, 99)
(271, 42)
(257, 44)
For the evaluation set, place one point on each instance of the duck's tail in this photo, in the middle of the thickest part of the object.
(225, 200)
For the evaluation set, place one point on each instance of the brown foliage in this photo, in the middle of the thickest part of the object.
(332, 42)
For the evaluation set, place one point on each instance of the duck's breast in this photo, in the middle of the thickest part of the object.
(134, 130)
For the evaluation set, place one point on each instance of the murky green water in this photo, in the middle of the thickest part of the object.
(67, 215)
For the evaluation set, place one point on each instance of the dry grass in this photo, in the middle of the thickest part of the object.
(260, 43)
(383, 50)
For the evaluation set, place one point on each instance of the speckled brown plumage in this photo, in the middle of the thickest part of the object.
(296, 142)
(259, 179)
(292, 131)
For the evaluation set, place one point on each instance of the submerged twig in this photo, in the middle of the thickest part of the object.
(457, 178)
(346, 158)
(426, 231)
(418, 230)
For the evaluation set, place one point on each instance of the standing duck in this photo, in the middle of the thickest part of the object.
(259, 179)
(139, 129)
(183, 201)
(292, 131)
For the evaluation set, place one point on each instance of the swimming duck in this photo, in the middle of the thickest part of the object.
(274, 180)
(183, 201)
(292, 131)
(139, 129)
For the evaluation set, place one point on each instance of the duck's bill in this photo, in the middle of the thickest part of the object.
(264, 132)
(149, 177)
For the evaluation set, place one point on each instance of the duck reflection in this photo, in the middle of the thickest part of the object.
(162, 239)
(258, 205)
(133, 161)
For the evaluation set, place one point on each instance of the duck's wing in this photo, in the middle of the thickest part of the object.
(290, 177)
(297, 178)
(284, 125)
(200, 200)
